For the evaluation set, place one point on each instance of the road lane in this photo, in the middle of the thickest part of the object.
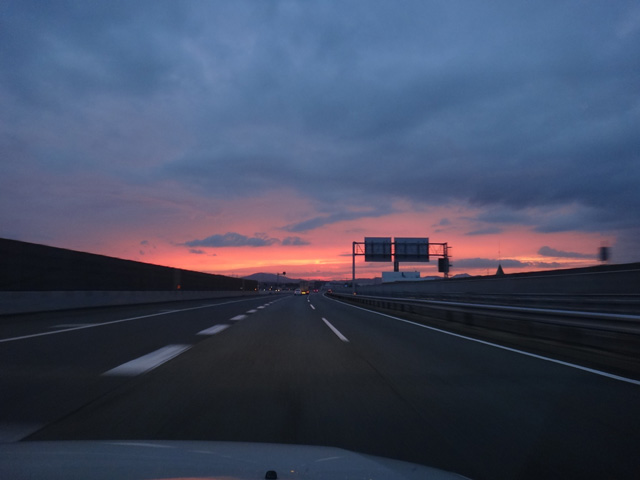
(282, 375)
(47, 371)
(581, 424)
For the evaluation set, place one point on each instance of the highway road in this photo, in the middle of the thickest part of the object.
(312, 370)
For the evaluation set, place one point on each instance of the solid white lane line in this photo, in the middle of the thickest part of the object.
(70, 325)
(213, 330)
(238, 317)
(148, 362)
(509, 349)
(335, 330)
(91, 325)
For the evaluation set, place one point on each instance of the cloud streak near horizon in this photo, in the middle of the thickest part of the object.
(232, 239)
(552, 252)
(343, 116)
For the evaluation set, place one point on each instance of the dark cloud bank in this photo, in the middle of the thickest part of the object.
(527, 109)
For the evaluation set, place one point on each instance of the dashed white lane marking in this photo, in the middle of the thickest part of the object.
(312, 307)
(92, 325)
(238, 317)
(260, 307)
(252, 311)
(335, 330)
(148, 362)
(213, 330)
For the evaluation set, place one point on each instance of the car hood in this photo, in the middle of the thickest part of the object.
(199, 460)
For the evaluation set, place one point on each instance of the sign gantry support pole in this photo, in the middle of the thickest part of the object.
(353, 269)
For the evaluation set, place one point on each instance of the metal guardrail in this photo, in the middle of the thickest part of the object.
(613, 332)
(621, 304)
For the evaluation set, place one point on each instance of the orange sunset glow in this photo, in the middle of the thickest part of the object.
(326, 252)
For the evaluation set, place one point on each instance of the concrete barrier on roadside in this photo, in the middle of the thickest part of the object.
(605, 279)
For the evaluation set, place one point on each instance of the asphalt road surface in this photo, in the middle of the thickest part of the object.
(311, 370)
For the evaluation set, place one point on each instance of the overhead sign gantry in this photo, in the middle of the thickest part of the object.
(401, 249)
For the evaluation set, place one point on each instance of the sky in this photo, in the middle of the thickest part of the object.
(268, 136)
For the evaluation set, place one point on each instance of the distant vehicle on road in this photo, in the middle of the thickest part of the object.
(297, 291)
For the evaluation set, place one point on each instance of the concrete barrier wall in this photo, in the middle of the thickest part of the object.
(41, 278)
(31, 267)
(602, 280)
(30, 302)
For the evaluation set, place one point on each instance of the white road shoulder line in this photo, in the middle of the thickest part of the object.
(148, 362)
(213, 330)
(72, 325)
(335, 330)
(521, 352)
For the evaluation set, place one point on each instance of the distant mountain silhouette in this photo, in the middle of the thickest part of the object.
(271, 278)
